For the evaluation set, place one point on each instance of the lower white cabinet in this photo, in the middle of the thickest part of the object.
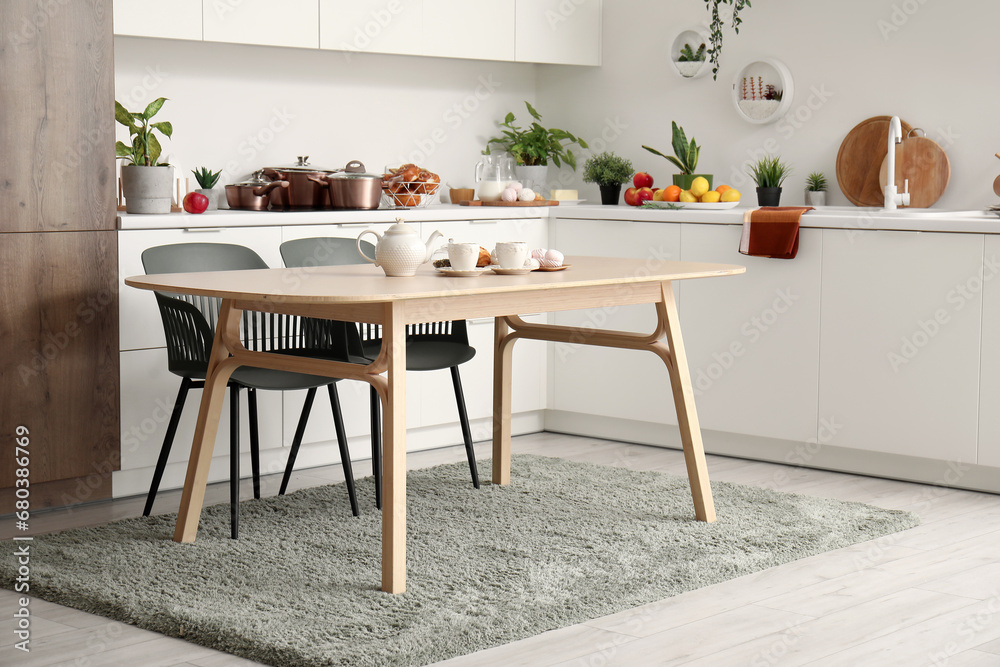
(899, 341)
(752, 340)
(989, 377)
(601, 381)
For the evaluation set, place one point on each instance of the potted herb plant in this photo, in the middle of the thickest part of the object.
(685, 158)
(533, 147)
(207, 179)
(769, 173)
(147, 183)
(690, 61)
(609, 171)
(816, 189)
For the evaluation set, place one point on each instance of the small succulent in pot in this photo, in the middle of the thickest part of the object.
(769, 173)
(207, 179)
(816, 189)
(609, 171)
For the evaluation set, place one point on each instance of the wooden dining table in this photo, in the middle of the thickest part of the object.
(361, 293)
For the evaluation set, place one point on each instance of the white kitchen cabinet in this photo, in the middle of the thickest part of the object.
(900, 342)
(372, 26)
(989, 377)
(562, 32)
(462, 29)
(288, 23)
(139, 323)
(173, 19)
(752, 340)
(603, 381)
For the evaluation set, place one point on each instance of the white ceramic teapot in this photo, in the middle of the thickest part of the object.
(399, 251)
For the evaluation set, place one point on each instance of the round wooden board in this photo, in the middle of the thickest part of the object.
(926, 164)
(860, 158)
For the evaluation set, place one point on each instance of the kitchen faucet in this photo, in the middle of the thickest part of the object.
(892, 197)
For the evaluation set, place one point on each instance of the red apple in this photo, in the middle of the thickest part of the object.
(643, 194)
(195, 202)
(630, 197)
(642, 180)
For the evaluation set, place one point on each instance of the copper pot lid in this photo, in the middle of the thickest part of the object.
(302, 165)
(354, 170)
(256, 178)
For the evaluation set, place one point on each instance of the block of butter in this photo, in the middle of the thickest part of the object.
(565, 194)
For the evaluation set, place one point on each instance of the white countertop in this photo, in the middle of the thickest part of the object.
(829, 217)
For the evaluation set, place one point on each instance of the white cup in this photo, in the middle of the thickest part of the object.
(463, 256)
(512, 254)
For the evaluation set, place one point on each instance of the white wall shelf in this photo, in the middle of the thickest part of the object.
(695, 37)
(754, 87)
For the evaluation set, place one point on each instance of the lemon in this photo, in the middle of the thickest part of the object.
(731, 194)
(657, 195)
(699, 186)
(688, 196)
(710, 197)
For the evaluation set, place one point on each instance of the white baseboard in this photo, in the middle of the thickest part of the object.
(956, 474)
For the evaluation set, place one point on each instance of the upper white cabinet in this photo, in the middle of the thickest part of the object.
(371, 26)
(173, 19)
(900, 336)
(562, 32)
(289, 23)
(462, 29)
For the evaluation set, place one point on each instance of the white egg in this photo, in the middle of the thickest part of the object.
(516, 185)
(510, 194)
(527, 194)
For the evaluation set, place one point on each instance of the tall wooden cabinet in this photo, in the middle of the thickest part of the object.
(58, 250)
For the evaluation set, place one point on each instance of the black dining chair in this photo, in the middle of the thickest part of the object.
(189, 324)
(429, 347)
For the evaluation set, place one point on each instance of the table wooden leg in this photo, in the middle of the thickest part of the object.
(687, 417)
(502, 348)
(394, 452)
(220, 368)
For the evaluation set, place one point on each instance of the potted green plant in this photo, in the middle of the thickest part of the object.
(207, 179)
(147, 183)
(685, 158)
(769, 173)
(690, 61)
(816, 189)
(534, 147)
(609, 171)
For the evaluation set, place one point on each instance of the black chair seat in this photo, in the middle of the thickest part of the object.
(265, 378)
(428, 355)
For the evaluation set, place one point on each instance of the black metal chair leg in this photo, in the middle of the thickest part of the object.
(234, 460)
(376, 412)
(300, 431)
(463, 419)
(254, 440)
(345, 453)
(168, 441)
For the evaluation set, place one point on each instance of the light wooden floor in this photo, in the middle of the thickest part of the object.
(928, 596)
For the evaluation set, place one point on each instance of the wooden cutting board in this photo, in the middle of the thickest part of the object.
(925, 163)
(860, 158)
(544, 202)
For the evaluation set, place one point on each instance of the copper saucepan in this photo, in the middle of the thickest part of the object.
(304, 193)
(253, 195)
(352, 187)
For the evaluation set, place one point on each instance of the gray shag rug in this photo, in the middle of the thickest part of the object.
(564, 543)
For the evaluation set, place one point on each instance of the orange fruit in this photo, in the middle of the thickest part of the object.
(672, 193)
(722, 189)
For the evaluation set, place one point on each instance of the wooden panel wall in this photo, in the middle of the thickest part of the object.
(57, 101)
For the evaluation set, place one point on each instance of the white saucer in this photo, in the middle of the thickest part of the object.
(453, 273)
(510, 272)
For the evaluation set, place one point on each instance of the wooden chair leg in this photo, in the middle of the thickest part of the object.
(168, 441)
(463, 419)
(234, 460)
(376, 413)
(300, 430)
(345, 452)
(254, 440)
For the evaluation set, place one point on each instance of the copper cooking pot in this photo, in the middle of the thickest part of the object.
(254, 194)
(304, 193)
(353, 188)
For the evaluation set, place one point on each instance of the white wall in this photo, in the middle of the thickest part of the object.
(937, 71)
(249, 107)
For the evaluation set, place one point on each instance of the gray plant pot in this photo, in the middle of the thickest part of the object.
(534, 177)
(147, 189)
(213, 197)
(815, 198)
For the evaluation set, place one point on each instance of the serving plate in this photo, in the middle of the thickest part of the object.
(696, 206)
(454, 273)
(511, 272)
(571, 202)
(554, 268)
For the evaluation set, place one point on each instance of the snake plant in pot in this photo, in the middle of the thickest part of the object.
(147, 183)
(685, 158)
(769, 173)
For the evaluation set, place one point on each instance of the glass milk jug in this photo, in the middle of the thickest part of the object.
(493, 173)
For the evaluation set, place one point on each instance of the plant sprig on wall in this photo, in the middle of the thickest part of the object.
(716, 28)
